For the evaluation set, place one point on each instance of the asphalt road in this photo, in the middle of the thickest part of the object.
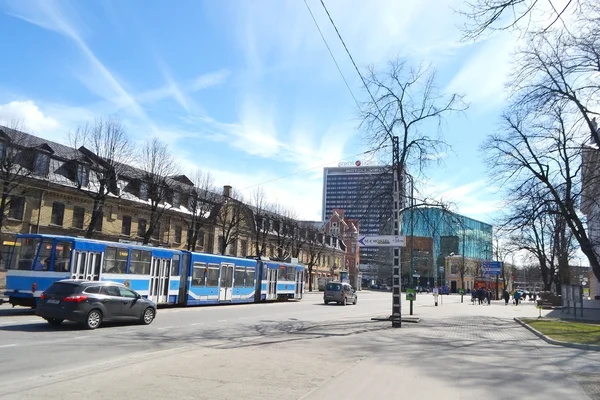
(30, 346)
(295, 350)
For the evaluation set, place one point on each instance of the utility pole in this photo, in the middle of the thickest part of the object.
(464, 268)
(396, 268)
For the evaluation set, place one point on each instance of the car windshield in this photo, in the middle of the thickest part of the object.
(61, 289)
(335, 287)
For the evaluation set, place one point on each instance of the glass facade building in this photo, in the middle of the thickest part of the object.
(450, 232)
(365, 193)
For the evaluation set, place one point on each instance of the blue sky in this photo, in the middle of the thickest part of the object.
(247, 89)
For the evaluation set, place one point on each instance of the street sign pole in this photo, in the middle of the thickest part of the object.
(396, 270)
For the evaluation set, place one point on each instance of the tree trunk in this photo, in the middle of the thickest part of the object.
(96, 215)
(310, 280)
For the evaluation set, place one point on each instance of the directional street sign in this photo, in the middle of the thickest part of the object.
(492, 267)
(382, 241)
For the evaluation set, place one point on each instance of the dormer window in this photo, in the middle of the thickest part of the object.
(176, 199)
(82, 175)
(41, 164)
(144, 190)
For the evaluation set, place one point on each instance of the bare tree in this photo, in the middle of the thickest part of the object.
(158, 164)
(262, 221)
(403, 100)
(539, 158)
(315, 249)
(283, 229)
(106, 144)
(528, 15)
(202, 198)
(231, 218)
(16, 166)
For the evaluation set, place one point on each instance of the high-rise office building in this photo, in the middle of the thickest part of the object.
(365, 193)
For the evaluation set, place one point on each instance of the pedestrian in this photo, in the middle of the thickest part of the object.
(488, 297)
(506, 297)
(480, 295)
(517, 296)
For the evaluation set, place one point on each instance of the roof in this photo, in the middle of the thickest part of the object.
(31, 141)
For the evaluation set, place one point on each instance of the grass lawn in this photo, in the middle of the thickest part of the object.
(574, 332)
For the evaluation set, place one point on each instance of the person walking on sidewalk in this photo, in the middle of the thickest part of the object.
(506, 296)
(517, 297)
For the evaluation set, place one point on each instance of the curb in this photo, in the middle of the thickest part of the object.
(581, 346)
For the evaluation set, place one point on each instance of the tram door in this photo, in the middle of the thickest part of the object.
(86, 265)
(226, 282)
(272, 283)
(160, 271)
(299, 285)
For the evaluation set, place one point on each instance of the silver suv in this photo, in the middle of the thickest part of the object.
(340, 292)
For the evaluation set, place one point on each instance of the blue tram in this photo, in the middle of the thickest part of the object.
(166, 276)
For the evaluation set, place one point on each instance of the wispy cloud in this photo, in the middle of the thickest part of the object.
(484, 75)
(48, 14)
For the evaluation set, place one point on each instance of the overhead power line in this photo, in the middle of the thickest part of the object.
(331, 53)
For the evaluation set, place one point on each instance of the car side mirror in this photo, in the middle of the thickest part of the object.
(138, 296)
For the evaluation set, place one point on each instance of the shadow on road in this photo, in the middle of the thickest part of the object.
(10, 312)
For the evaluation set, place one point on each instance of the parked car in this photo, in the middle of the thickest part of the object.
(340, 292)
(92, 302)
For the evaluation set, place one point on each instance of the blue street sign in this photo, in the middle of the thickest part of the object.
(492, 267)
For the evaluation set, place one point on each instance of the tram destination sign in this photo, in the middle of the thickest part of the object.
(382, 241)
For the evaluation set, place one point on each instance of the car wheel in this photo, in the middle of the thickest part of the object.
(94, 319)
(326, 302)
(344, 301)
(355, 300)
(148, 316)
(54, 321)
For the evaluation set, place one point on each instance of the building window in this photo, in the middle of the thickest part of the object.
(98, 225)
(126, 226)
(244, 248)
(78, 215)
(16, 208)
(141, 227)
(41, 164)
(58, 213)
(176, 199)
(177, 234)
(234, 248)
(82, 175)
(201, 238)
(143, 190)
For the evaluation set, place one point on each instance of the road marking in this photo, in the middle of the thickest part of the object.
(7, 345)
(244, 318)
(197, 323)
(222, 320)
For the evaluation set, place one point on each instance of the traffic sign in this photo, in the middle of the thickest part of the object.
(382, 241)
(491, 267)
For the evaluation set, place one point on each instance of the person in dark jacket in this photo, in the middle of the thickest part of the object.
(506, 296)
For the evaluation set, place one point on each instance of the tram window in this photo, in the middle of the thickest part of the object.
(115, 260)
(282, 274)
(175, 265)
(249, 277)
(24, 253)
(199, 274)
(62, 257)
(43, 260)
(291, 273)
(212, 278)
(140, 262)
(238, 280)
